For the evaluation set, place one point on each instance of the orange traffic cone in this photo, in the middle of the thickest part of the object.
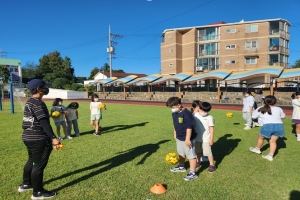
(158, 189)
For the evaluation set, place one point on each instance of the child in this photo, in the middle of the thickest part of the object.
(204, 126)
(96, 114)
(72, 117)
(184, 134)
(60, 120)
(248, 103)
(296, 113)
(272, 126)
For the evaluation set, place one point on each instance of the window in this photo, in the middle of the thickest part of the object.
(16, 69)
(251, 44)
(208, 34)
(230, 62)
(230, 46)
(251, 28)
(208, 49)
(251, 61)
(233, 30)
(208, 63)
(171, 64)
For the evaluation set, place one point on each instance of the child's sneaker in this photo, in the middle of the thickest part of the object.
(24, 188)
(211, 169)
(69, 137)
(96, 134)
(298, 139)
(268, 157)
(178, 169)
(190, 177)
(60, 138)
(255, 150)
(247, 128)
(43, 195)
(77, 134)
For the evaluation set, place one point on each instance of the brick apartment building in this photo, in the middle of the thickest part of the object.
(241, 46)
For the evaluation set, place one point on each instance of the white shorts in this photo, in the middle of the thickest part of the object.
(183, 150)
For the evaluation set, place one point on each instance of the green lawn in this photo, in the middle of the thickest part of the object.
(128, 159)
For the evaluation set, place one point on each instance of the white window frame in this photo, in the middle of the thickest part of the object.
(250, 59)
(251, 28)
(251, 44)
(231, 30)
(230, 46)
(228, 62)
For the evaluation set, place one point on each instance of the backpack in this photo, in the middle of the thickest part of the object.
(255, 105)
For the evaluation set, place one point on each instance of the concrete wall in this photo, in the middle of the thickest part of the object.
(65, 94)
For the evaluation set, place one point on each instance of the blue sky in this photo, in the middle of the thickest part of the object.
(78, 29)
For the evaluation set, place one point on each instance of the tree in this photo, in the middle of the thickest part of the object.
(53, 65)
(28, 72)
(94, 72)
(4, 73)
(60, 83)
(105, 68)
(297, 64)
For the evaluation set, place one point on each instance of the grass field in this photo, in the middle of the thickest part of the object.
(128, 159)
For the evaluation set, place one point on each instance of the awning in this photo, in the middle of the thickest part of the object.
(178, 77)
(218, 74)
(124, 80)
(148, 79)
(272, 71)
(108, 80)
(290, 73)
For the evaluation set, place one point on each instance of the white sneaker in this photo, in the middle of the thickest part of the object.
(247, 128)
(69, 137)
(60, 138)
(270, 158)
(254, 150)
(298, 139)
(256, 124)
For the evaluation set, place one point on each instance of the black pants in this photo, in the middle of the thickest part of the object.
(38, 156)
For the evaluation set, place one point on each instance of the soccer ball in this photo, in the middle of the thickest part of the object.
(171, 158)
(55, 114)
(229, 115)
(102, 106)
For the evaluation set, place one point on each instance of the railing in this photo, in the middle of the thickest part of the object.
(208, 67)
(282, 64)
(281, 49)
(209, 37)
(208, 53)
(280, 32)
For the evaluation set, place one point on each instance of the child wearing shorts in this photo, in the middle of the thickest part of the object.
(72, 117)
(184, 134)
(204, 126)
(96, 114)
(60, 121)
(272, 128)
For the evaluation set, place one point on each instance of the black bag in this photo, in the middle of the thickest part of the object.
(255, 105)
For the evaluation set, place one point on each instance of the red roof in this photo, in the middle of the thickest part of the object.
(121, 75)
(221, 22)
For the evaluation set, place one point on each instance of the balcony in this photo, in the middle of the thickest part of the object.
(280, 32)
(208, 53)
(208, 37)
(276, 63)
(207, 67)
(281, 49)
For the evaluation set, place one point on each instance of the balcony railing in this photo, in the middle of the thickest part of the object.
(207, 67)
(209, 37)
(282, 64)
(208, 53)
(280, 32)
(280, 49)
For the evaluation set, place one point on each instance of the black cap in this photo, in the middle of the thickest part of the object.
(37, 83)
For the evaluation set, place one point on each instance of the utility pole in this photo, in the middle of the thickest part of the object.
(110, 49)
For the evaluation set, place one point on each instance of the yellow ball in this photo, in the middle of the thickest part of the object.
(229, 115)
(55, 114)
(102, 106)
(171, 158)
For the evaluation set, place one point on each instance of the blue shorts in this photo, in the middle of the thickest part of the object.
(60, 123)
(269, 130)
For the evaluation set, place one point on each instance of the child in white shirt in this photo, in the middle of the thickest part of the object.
(72, 117)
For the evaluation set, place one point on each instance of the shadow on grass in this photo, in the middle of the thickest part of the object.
(223, 147)
(121, 158)
(280, 145)
(294, 195)
(119, 127)
(114, 128)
